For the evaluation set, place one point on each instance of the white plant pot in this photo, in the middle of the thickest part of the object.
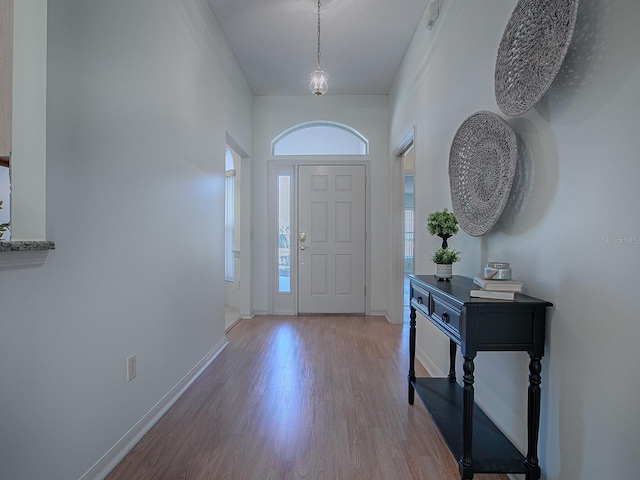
(444, 271)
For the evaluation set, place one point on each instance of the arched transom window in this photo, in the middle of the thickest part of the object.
(320, 138)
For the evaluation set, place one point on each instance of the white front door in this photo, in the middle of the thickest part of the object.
(331, 239)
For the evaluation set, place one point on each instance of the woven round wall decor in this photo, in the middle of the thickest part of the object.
(533, 47)
(482, 164)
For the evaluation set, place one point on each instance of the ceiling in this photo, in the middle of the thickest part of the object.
(362, 42)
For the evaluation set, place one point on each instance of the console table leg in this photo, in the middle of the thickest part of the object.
(533, 417)
(466, 462)
(466, 473)
(533, 474)
(412, 354)
(452, 360)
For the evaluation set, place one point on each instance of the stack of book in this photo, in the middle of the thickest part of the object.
(495, 289)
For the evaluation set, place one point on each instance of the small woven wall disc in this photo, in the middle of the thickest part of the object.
(482, 164)
(533, 47)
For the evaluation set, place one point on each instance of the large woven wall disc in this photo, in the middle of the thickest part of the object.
(482, 164)
(531, 52)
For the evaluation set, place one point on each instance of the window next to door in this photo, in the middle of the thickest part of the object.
(229, 205)
(284, 233)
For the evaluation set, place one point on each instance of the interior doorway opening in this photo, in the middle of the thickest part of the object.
(232, 236)
(409, 221)
(402, 226)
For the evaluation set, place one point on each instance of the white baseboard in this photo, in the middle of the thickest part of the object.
(228, 329)
(387, 315)
(426, 362)
(110, 459)
(380, 313)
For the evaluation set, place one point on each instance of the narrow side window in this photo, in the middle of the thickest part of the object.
(229, 186)
(284, 233)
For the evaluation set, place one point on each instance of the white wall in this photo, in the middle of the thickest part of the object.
(576, 196)
(140, 97)
(368, 115)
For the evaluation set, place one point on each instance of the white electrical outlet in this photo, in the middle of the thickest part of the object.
(131, 367)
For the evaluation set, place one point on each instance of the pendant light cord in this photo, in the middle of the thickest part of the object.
(318, 85)
(318, 34)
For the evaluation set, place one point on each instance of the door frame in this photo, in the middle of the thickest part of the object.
(397, 224)
(287, 304)
(246, 241)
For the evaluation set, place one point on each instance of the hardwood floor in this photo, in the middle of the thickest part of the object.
(310, 397)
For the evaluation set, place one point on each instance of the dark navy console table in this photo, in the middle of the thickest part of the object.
(477, 325)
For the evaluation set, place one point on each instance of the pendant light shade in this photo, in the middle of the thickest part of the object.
(319, 85)
(319, 79)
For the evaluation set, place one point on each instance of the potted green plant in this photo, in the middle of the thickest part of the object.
(443, 224)
(3, 226)
(444, 258)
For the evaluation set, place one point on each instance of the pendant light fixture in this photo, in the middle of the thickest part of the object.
(318, 85)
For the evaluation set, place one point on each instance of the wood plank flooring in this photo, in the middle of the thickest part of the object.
(309, 397)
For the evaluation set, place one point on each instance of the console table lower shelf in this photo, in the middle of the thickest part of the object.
(492, 451)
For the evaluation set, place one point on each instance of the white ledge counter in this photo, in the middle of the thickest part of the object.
(26, 246)
(24, 254)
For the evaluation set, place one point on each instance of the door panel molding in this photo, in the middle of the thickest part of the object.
(332, 265)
